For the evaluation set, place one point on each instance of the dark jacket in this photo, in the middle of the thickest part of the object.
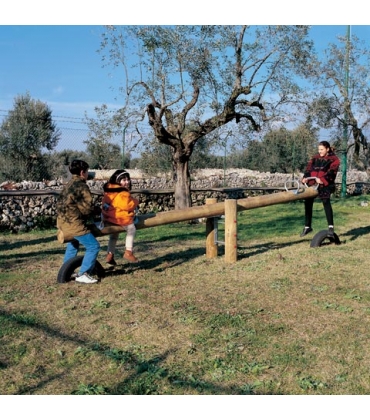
(75, 208)
(325, 168)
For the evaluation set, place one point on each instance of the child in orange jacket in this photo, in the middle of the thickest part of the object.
(118, 207)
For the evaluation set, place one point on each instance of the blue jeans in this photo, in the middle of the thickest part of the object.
(92, 250)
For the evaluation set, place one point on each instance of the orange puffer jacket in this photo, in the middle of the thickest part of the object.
(118, 206)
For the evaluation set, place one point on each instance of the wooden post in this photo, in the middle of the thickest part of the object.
(231, 230)
(211, 245)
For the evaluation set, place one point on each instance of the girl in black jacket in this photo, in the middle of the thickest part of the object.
(324, 167)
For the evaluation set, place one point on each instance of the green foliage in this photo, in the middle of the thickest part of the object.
(308, 383)
(103, 155)
(24, 135)
(90, 389)
(101, 144)
(58, 162)
(282, 150)
(341, 99)
(155, 158)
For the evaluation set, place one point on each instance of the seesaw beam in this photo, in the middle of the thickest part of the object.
(217, 209)
(205, 211)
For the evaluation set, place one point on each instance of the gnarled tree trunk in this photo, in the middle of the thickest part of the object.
(182, 185)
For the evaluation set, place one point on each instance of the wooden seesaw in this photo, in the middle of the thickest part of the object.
(211, 211)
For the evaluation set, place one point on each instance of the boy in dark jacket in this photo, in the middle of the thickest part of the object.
(75, 208)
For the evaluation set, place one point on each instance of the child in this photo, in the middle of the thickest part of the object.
(75, 209)
(118, 207)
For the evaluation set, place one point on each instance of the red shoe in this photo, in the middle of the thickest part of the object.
(110, 259)
(129, 256)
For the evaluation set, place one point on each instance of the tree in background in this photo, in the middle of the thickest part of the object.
(341, 100)
(154, 158)
(58, 162)
(105, 129)
(25, 136)
(282, 150)
(211, 75)
(104, 153)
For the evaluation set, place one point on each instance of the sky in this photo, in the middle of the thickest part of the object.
(60, 65)
(54, 57)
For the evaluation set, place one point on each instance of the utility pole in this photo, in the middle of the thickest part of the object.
(345, 128)
(123, 146)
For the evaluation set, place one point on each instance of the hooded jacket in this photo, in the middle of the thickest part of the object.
(75, 208)
(118, 206)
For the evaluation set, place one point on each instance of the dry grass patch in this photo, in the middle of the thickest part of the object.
(285, 319)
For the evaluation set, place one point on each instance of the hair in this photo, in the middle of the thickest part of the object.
(118, 175)
(77, 166)
(326, 144)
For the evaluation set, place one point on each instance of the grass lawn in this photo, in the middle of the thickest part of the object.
(285, 319)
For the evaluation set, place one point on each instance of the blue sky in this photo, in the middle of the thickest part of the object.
(54, 56)
(56, 64)
(59, 65)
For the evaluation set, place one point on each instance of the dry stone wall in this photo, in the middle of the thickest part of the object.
(27, 205)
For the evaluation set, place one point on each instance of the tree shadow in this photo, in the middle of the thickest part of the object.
(262, 248)
(146, 377)
(5, 246)
(157, 264)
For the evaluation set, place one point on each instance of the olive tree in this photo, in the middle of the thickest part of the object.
(26, 134)
(211, 75)
(340, 100)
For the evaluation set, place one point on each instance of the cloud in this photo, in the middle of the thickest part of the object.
(58, 90)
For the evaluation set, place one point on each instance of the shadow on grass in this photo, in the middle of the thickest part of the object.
(31, 257)
(172, 259)
(173, 236)
(148, 376)
(357, 232)
(5, 246)
(262, 248)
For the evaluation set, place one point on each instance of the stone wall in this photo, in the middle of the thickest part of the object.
(28, 205)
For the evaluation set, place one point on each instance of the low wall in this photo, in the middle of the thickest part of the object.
(29, 205)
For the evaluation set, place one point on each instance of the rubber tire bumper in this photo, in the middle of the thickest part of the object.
(321, 238)
(71, 266)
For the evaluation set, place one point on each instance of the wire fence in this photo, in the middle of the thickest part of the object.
(75, 132)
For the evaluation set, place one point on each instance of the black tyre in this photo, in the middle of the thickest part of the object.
(321, 238)
(68, 270)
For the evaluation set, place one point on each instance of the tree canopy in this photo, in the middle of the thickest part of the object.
(25, 136)
(340, 102)
(211, 75)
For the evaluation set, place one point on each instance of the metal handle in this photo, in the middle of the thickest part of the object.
(298, 186)
(315, 186)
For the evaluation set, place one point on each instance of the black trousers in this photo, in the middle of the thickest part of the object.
(308, 207)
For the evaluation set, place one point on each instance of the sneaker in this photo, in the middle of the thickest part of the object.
(305, 231)
(330, 233)
(129, 256)
(110, 259)
(86, 278)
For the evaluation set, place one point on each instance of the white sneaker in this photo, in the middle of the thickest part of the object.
(85, 278)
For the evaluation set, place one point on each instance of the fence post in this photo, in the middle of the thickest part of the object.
(231, 230)
(211, 245)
